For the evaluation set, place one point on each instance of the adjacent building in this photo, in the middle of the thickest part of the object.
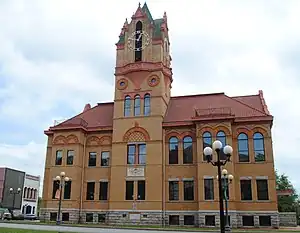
(30, 194)
(139, 159)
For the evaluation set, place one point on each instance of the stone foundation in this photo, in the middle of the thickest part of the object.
(288, 219)
(156, 217)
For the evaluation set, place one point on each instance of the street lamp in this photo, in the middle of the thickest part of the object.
(62, 178)
(226, 180)
(14, 193)
(208, 152)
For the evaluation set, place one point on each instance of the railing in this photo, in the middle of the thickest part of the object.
(212, 112)
(73, 122)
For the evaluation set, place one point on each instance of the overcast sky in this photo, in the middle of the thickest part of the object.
(58, 55)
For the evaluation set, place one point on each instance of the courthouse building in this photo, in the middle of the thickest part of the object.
(139, 159)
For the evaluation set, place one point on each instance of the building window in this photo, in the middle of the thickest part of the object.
(54, 188)
(189, 220)
(243, 148)
(90, 190)
(141, 190)
(33, 210)
(127, 106)
(105, 158)
(248, 221)
(173, 150)
(129, 190)
(103, 192)
(92, 159)
(259, 148)
(130, 154)
(65, 217)
(58, 158)
(142, 154)
(147, 102)
(67, 191)
(53, 216)
(138, 41)
(209, 189)
(70, 157)
(221, 136)
(173, 190)
(265, 221)
(101, 218)
(262, 190)
(136, 158)
(173, 219)
(137, 105)
(188, 187)
(246, 190)
(206, 141)
(210, 220)
(89, 217)
(187, 150)
(25, 192)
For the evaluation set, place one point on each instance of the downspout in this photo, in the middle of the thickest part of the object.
(82, 178)
(163, 181)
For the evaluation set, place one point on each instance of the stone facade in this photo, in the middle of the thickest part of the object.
(288, 219)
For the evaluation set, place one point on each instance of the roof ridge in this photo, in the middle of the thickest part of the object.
(195, 95)
(243, 96)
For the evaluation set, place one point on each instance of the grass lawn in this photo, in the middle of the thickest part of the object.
(15, 230)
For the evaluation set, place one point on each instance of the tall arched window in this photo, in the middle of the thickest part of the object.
(138, 41)
(259, 147)
(147, 99)
(173, 150)
(243, 148)
(127, 106)
(25, 191)
(206, 141)
(221, 136)
(187, 150)
(137, 105)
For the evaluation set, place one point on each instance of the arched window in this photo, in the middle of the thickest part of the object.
(187, 150)
(25, 191)
(221, 136)
(147, 104)
(137, 105)
(206, 141)
(173, 150)
(243, 148)
(138, 41)
(259, 147)
(28, 193)
(127, 106)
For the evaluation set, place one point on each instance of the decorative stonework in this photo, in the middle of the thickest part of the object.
(62, 140)
(105, 140)
(97, 141)
(135, 171)
(72, 139)
(153, 80)
(214, 130)
(122, 84)
(136, 134)
(180, 135)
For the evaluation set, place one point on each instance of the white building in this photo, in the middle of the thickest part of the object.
(30, 194)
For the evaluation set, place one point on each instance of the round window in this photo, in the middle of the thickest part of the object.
(153, 80)
(122, 84)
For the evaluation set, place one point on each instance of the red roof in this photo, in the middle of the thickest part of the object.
(182, 109)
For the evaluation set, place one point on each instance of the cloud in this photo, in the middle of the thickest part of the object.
(58, 55)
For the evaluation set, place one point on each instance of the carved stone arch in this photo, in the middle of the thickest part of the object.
(204, 129)
(72, 139)
(93, 141)
(223, 128)
(105, 140)
(172, 133)
(260, 129)
(243, 129)
(187, 133)
(136, 134)
(60, 140)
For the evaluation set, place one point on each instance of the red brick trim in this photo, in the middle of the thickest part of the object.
(136, 129)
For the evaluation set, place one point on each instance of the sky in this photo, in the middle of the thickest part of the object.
(58, 55)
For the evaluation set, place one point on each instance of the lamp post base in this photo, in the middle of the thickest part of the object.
(58, 222)
(227, 229)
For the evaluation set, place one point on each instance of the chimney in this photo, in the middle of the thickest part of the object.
(86, 107)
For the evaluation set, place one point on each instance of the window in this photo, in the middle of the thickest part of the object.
(133, 157)
(188, 187)
(173, 150)
(33, 210)
(127, 106)
(90, 189)
(53, 216)
(147, 105)
(187, 150)
(101, 218)
(137, 105)
(105, 158)
(210, 220)
(246, 190)
(54, 188)
(25, 191)
(138, 41)
(221, 136)
(189, 220)
(67, 190)
(207, 141)
(129, 190)
(142, 154)
(58, 158)
(103, 192)
(92, 159)
(141, 190)
(70, 157)
(173, 219)
(89, 217)
(243, 148)
(262, 189)
(248, 221)
(173, 190)
(130, 154)
(65, 217)
(265, 221)
(259, 148)
(209, 189)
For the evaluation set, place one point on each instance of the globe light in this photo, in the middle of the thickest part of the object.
(67, 179)
(57, 178)
(224, 172)
(11, 189)
(217, 145)
(230, 177)
(227, 150)
(207, 151)
(62, 174)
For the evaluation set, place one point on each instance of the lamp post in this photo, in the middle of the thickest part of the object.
(208, 152)
(62, 178)
(14, 193)
(226, 180)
